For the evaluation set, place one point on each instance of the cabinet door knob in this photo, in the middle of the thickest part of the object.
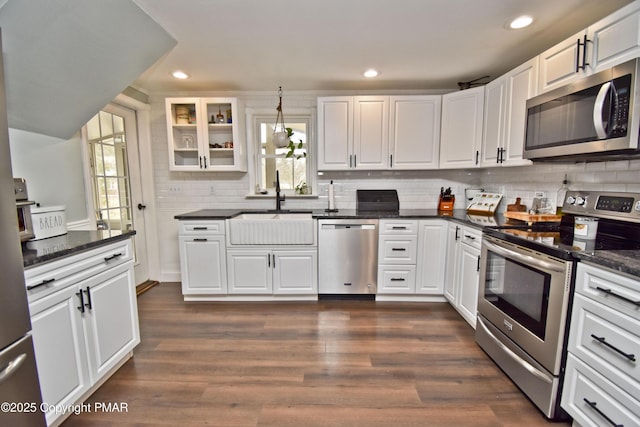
(141, 207)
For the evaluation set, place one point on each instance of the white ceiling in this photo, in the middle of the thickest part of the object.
(327, 44)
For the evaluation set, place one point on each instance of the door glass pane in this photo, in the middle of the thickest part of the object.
(110, 172)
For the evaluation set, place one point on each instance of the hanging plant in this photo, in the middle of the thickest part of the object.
(292, 146)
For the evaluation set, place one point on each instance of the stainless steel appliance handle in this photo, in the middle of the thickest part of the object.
(528, 259)
(538, 373)
(12, 367)
(598, 123)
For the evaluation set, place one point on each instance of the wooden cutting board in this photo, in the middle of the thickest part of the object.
(530, 218)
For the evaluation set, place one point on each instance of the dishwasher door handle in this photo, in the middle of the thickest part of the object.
(348, 226)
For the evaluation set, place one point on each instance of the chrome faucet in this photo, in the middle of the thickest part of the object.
(279, 200)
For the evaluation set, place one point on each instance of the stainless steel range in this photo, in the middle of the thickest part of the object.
(526, 289)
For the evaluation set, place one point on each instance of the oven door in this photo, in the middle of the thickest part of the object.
(525, 294)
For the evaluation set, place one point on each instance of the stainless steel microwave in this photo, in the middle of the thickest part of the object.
(593, 118)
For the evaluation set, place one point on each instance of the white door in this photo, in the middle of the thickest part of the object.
(116, 190)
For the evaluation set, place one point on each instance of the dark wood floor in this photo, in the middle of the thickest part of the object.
(330, 363)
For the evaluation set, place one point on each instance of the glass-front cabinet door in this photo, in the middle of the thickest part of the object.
(203, 135)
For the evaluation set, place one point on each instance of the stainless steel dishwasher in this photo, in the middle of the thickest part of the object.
(347, 256)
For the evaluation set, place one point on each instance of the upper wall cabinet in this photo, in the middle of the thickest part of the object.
(610, 41)
(378, 132)
(505, 105)
(414, 132)
(461, 131)
(353, 132)
(203, 135)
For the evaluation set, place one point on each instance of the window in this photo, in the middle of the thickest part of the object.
(295, 171)
(110, 172)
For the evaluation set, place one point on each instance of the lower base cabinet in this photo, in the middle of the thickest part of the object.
(463, 270)
(601, 384)
(82, 332)
(293, 271)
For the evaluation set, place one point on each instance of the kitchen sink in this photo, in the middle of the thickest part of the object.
(272, 228)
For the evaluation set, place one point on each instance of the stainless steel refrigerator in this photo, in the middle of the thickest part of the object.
(20, 401)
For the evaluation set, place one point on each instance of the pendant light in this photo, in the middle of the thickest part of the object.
(280, 133)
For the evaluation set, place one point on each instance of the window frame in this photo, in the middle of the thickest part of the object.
(254, 116)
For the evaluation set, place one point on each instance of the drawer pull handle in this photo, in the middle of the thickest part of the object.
(398, 249)
(466, 236)
(44, 282)
(397, 279)
(200, 228)
(613, 294)
(200, 240)
(602, 414)
(602, 340)
(114, 256)
(398, 228)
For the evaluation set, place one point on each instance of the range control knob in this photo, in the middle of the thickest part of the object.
(571, 200)
(580, 201)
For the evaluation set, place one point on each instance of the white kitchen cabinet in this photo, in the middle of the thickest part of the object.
(85, 321)
(505, 116)
(451, 263)
(468, 280)
(397, 255)
(61, 354)
(610, 41)
(335, 132)
(561, 63)
(414, 138)
(198, 141)
(203, 265)
(463, 270)
(615, 38)
(353, 132)
(432, 241)
(601, 377)
(461, 129)
(371, 132)
(378, 132)
(291, 271)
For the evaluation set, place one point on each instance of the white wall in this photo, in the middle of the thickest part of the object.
(53, 170)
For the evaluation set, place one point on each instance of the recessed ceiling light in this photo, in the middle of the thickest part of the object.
(521, 22)
(180, 75)
(371, 73)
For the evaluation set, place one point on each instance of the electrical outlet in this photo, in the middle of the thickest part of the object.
(212, 190)
(175, 189)
(539, 194)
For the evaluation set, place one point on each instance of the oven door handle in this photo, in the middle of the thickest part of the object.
(527, 259)
(529, 367)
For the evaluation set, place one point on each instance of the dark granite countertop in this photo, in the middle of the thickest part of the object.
(624, 261)
(36, 252)
(458, 215)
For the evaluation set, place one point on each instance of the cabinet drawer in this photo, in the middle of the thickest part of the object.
(609, 288)
(396, 279)
(471, 237)
(201, 227)
(608, 341)
(397, 249)
(398, 227)
(44, 279)
(588, 397)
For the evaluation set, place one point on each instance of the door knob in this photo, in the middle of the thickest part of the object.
(141, 206)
